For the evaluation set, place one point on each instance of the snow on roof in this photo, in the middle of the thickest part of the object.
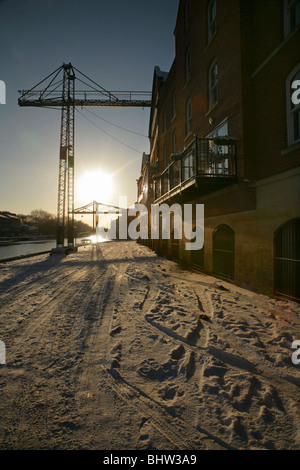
(145, 157)
(160, 73)
(145, 160)
(9, 215)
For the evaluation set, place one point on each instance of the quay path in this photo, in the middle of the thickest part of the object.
(113, 347)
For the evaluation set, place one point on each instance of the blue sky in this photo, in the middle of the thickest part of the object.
(115, 43)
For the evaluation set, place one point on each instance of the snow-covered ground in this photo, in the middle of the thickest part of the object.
(113, 347)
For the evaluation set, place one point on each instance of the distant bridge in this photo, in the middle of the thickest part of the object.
(94, 208)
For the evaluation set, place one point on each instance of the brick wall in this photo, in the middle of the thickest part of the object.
(270, 124)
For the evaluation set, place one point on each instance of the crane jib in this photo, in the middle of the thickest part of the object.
(58, 91)
(40, 103)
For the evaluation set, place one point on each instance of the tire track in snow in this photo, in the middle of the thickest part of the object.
(133, 397)
(31, 346)
(90, 385)
(30, 286)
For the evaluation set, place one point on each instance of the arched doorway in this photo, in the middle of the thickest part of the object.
(197, 258)
(223, 251)
(174, 244)
(287, 260)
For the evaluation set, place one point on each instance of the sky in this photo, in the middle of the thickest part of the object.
(117, 44)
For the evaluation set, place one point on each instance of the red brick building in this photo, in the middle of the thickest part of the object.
(225, 133)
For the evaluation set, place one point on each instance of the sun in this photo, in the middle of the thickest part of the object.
(95, 186)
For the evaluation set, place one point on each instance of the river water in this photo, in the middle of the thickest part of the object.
(30, 247)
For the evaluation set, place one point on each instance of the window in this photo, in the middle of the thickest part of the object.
(174, 138)
(188, 64)
(165, 156)
(211, 19)
(291, 15)
(188, 166)
(165, 120)
(174, 104)
(213, 84)
(187, 14)
(189, 116)
(220, 130)
(222, 166)
(224, 251)
(293, 109)
(287, 260)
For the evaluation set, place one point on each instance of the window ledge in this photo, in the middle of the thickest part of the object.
(188, 135)
(212, 108)
(291, 148)
(210, 41)
(187, 82)
(276, 50)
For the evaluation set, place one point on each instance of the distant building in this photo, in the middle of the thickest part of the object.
(225, 133)
(10, 224)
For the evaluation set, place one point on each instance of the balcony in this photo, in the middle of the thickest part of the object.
(205, 166)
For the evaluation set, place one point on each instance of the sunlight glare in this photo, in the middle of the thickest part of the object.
(95, 186)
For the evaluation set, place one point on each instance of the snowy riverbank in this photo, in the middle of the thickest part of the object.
(113, 347)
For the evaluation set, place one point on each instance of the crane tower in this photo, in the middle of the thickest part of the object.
(58, 90)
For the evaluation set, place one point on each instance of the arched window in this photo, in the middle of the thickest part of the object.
(211, 19)
(174, 141)
(174, 104)
(188, 116)
(223, 251)
(187, 14)
(165, 156)
(213, 83)
(164, 120)
(188, 64)
(291, 15)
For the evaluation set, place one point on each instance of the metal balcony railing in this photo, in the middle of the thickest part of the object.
(204, 159)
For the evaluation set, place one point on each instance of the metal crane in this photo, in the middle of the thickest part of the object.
(58, 90)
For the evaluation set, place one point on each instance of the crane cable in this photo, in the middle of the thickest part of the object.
(105, 132)
(123, 128)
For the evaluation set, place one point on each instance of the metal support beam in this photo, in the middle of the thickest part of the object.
(66, 161)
